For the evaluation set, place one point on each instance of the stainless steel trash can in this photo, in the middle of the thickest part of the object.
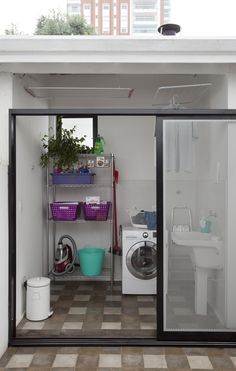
(38, 299)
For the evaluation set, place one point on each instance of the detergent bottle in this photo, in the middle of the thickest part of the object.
(99, 145)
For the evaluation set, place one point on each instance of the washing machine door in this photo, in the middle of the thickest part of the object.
(141, 260)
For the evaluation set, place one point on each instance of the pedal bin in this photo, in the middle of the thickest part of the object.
(38, 299)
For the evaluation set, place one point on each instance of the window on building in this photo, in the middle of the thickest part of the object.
(105, 18)
(145, 18)
(87, 12)
(124, 18)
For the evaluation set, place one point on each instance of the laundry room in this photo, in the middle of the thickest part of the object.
(93, 235)
(92, 250)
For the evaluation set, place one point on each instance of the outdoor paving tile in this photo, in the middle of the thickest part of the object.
(65, 360)
(42, 360)
(132, 360)
(177, 362)
(87, 360)
(20, 361)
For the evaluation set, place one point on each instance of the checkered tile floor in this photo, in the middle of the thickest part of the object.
(117, 358)
(90, 309)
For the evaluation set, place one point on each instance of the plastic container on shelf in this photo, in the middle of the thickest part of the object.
(97, 212)
(71, 178)
(91, 260)
(65, 210)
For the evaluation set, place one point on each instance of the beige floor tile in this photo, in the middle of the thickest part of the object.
(72, 326)
(33, 325)
(78, 310)
(109, 360)
(154, 361)
(20, 360)
(111, 326)
(199, 362)
(65, 360)
(112, 310)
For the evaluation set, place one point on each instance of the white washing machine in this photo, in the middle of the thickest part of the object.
(139, 268)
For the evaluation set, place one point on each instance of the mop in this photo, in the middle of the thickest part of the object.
(116, 249)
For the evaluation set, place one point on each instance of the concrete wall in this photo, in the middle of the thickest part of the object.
(29, 197)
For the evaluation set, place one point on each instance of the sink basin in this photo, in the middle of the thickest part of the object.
(206, 249)
(206, 254)
(195, 239)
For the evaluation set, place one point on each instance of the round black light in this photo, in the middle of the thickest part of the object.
(169, 29)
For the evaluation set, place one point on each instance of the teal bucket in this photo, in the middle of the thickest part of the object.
(91, 260)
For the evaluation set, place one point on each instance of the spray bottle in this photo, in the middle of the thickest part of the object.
(99, 145)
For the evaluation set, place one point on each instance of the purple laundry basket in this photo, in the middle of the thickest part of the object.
(95, 211)
(65, 210)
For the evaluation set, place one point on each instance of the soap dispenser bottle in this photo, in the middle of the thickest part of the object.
(205, 225)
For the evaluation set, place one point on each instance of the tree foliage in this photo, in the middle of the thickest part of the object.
(57, 23)
(12, 30)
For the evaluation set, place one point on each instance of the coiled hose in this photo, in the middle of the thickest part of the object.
(70, 268)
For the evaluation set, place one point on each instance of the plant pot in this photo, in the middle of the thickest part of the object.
(72, 178)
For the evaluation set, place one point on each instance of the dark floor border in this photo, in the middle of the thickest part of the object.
(117, 342)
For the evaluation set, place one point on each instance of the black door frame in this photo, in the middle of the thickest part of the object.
(165, 338)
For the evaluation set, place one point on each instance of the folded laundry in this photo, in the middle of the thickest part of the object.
(150, 218)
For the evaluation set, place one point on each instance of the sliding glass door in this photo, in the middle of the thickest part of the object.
(199, 234)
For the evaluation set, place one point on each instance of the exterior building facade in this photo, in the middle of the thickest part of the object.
(122, 17)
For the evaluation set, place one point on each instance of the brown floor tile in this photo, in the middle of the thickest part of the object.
(111, 350)
(220, 363)
(177, 362)
(195, 351)
(174, 351)
(216, 352)
(87, 360)
(153, 350)
(90, 350)
(46, 350)
(42, 360)
(132, 360)
(132, 350)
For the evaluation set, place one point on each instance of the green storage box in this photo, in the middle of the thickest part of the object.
(91, 260)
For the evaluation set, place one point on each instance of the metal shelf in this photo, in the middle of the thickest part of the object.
(108, 273)
(77, 276)
(92, 185)
(80, 221)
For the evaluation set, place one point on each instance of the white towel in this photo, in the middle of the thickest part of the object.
(179, 146)
(185, 146)
(171, 139)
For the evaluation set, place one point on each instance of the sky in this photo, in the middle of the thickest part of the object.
(196, 17)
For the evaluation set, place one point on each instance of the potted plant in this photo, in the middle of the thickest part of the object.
(62, 152)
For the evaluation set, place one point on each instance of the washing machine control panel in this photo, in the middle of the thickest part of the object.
(145, 235)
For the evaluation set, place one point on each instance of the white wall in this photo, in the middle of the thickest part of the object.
(30, 190)
(6, 103)
(131, 139)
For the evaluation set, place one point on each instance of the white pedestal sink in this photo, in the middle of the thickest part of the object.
(207, 254)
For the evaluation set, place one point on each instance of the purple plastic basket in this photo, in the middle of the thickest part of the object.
(96, 212)
(72, 178)
(65, 210)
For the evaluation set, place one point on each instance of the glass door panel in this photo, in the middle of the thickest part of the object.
(199, 232)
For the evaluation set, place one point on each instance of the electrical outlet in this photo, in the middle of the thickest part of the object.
(212, 213)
